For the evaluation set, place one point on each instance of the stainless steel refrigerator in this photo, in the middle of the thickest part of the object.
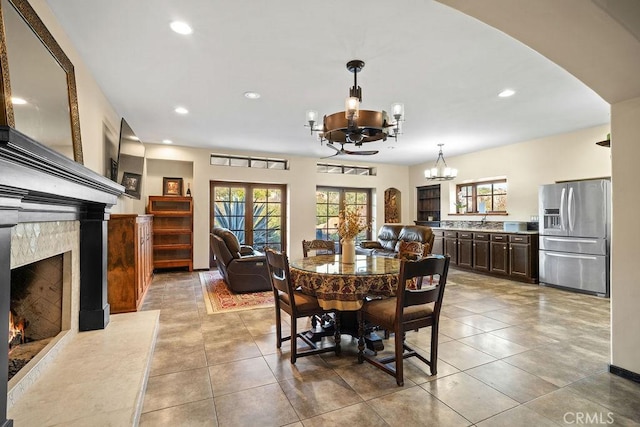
(575, 227)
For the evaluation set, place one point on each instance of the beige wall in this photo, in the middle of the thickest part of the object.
(526, 166)
(625, 284)
(301, 180)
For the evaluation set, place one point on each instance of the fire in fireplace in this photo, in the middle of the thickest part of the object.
(35, 314)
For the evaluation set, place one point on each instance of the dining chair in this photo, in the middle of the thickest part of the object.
(319, 247)
(410, 309)
(297, 305)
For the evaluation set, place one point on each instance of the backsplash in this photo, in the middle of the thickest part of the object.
(483, 225)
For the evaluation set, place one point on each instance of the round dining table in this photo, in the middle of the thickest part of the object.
(342, 286)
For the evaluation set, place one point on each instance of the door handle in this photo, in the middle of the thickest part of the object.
(563, 196)
(555, 239)
(571, 211)
(592, 258)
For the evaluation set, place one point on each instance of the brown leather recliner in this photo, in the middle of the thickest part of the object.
(389, 237)
(242, 268)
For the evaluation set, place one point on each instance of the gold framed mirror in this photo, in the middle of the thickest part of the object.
(38, 81)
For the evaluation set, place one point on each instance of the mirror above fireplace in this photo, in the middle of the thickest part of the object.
(38, 82)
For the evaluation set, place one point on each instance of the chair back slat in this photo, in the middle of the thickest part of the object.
(321, 247)
(278, 266)
(429, 266)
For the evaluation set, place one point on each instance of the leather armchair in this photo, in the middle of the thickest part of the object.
(389, 237)
(242, 268)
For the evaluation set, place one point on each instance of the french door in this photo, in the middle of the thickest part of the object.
(255, 213)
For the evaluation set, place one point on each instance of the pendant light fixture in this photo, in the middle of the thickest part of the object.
(440, 172)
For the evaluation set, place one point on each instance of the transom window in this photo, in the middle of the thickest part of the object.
(483, 197)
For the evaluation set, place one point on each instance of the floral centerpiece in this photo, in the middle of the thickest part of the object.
(350, 224)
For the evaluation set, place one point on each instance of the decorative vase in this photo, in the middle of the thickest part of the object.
(348, 251)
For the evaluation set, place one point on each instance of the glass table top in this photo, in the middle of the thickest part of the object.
(332, 265)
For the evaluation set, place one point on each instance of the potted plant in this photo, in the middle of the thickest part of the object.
(350, 224)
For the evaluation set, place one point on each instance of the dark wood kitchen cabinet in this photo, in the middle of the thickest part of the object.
(520, 257)
(499, 254)
(481, 252)
(465, 249)
(451, 246)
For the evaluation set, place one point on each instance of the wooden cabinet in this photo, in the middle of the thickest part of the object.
(428, 205)
(520, 257)
(172, 231)
(481, 252)
(465, 249)
(451, 246)
(499, 254)
(129, 260)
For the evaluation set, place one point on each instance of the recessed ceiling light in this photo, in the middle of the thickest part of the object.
(181, 27)
(18, 101)
(167, 141)
(252, 95)
(181, 110)
(506, 93)
(134, 138)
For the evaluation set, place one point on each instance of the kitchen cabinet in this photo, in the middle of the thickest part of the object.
(129, 260)
(492, 252)
(499, 254)
(520, 259)
(428, 205)
(172, 231)
(481, 252)
(465, 249)
(451, 246)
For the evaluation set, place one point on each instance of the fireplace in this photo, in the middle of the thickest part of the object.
(35, 310)
(51, 206)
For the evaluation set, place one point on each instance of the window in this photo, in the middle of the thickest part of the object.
(344, 169)
(248, 162)
(329, 201)
(255, 213)
(483, 197)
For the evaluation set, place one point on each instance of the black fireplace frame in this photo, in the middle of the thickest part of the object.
(38, 184)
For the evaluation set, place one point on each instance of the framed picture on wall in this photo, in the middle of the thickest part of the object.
(171, 186)
(131, 182)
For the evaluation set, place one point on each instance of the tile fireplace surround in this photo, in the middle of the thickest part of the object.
(50, 205)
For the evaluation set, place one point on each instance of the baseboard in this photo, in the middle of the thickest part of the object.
(621, 372)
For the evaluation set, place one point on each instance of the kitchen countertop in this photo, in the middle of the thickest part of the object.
(484, 230)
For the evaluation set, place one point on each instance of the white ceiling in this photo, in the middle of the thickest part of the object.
(446, 67)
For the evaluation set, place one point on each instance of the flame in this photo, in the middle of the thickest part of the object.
(16, 327)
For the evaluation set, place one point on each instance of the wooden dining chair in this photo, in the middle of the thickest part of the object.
(410, 309)
(319, 247)
(297, 305)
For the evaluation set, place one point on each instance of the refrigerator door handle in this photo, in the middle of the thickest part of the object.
(564, 239)
(571, 211)
(571, 256)
(562, 203)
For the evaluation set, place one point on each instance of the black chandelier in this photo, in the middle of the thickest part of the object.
(354, 125)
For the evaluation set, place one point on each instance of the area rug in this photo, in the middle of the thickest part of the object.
(219, 299)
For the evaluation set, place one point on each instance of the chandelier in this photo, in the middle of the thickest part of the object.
(355, 125)
(440, 172)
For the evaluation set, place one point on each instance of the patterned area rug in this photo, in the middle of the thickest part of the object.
(219, 299)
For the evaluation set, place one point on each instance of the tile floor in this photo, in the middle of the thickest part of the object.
(511, 354)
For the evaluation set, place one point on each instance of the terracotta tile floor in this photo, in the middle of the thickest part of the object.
(511, 354)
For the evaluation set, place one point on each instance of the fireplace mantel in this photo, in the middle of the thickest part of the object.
(39, 185)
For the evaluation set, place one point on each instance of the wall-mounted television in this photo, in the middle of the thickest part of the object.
(130, 164)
